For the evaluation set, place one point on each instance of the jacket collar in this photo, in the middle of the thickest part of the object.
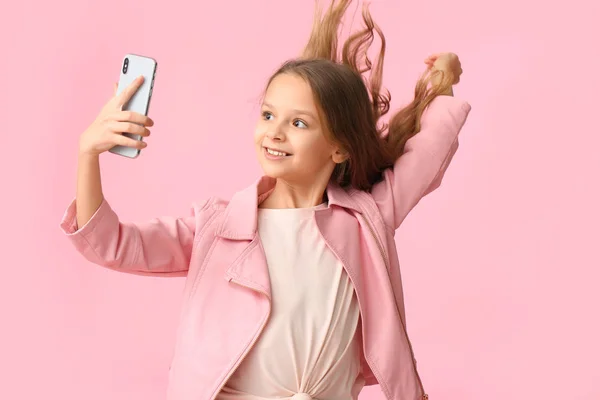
(240, 220)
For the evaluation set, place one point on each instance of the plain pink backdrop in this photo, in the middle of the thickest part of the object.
(501, 264)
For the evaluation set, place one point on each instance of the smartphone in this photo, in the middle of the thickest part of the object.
(132, 66)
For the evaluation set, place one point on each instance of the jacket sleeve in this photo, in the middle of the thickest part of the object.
(159, 247)
(426, 157)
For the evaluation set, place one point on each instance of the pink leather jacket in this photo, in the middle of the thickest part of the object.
(227, 292)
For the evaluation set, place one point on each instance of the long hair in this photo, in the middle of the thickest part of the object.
(347, 87)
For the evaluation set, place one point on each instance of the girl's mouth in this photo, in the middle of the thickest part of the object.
(275, 154)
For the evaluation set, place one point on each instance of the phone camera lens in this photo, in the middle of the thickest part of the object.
(125, 64)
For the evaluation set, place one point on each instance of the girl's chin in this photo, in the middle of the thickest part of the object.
(275, 171)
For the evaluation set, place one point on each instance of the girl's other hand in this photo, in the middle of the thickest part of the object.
(448, 63)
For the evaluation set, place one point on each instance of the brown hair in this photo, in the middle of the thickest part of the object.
(352, 104)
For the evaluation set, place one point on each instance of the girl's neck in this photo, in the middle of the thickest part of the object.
(286, 195)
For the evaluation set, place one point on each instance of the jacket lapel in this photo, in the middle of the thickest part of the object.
(249, 266)
(339, 227)
(239, 227)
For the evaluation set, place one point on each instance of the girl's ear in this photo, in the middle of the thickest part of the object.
(340, 156)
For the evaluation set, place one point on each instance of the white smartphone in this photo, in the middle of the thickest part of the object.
(134, 65)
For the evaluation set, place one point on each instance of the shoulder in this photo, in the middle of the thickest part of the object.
(208, 210)
(210, 205)
(364, 203)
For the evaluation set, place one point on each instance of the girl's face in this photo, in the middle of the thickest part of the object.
(289, 137)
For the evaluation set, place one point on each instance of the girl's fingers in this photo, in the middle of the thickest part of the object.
(129, 127)
(129, 91)
(132, 116)
(128, 142)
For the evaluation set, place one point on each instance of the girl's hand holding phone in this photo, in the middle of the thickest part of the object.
(106, 130)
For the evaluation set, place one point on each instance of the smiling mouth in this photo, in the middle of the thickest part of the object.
(276, 153)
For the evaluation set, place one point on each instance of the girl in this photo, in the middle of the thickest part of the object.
(293, 286)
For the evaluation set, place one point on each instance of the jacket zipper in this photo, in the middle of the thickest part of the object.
(424, 396)
(252, 342)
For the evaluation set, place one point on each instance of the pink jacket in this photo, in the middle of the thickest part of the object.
(227, 292)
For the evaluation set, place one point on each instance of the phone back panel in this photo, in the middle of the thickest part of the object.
(132, 66)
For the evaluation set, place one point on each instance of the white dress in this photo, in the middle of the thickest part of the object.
(310, 346)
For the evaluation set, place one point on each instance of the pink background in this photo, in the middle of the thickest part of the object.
(501, 265)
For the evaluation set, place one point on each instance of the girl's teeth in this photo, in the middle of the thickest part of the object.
(276, 153)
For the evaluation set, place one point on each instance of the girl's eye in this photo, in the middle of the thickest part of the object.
(267, 115)
(300, 124)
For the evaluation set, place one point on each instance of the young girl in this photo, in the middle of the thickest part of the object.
(293, 286)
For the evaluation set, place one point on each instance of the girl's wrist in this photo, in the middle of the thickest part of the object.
(87, 157)
(448, 92)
